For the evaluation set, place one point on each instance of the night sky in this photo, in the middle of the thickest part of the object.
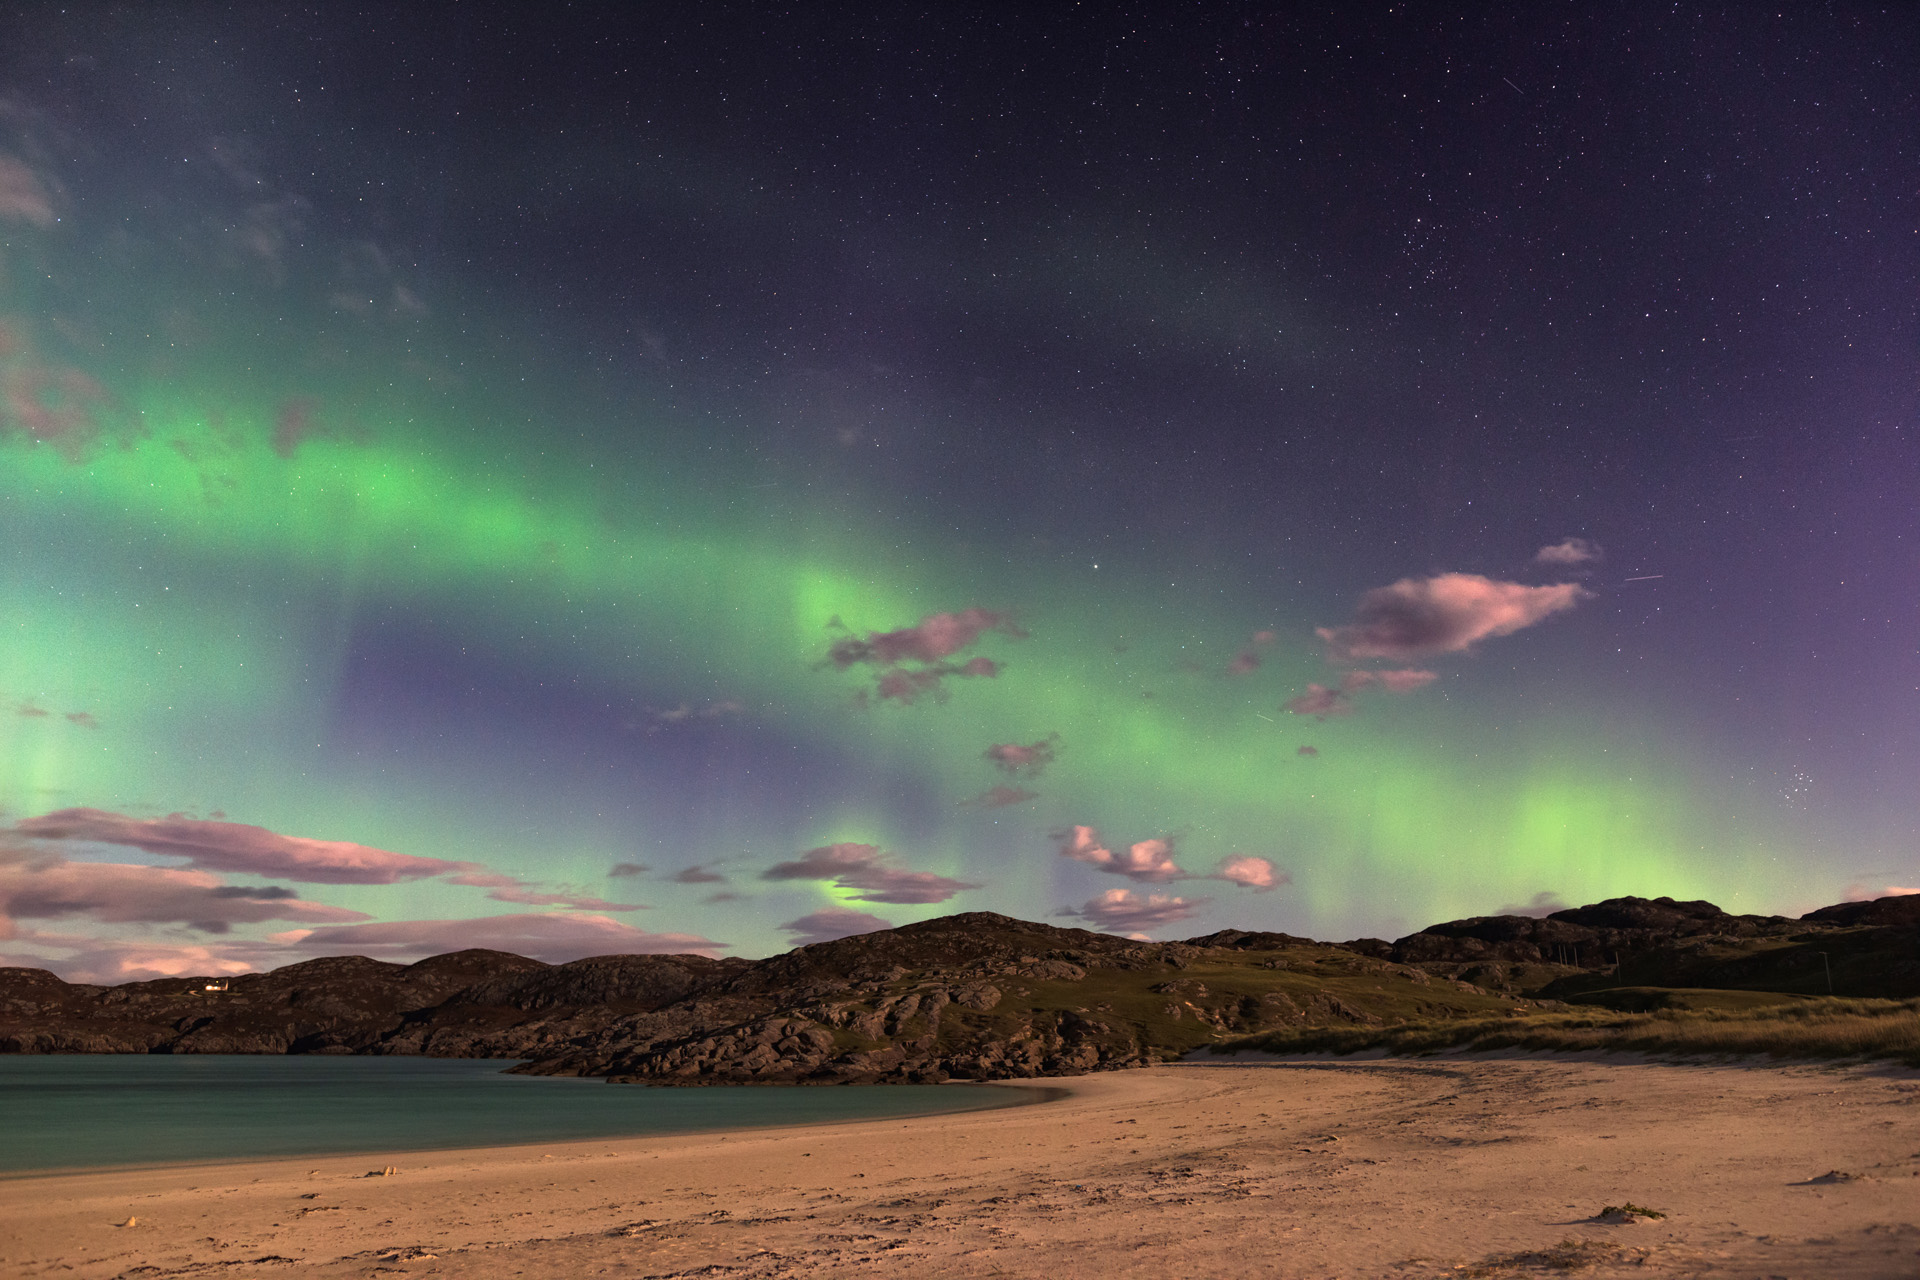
(583, 480)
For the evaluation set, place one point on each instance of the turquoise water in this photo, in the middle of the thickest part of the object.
(81, 1111)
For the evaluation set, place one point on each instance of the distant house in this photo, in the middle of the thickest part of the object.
(216, 984)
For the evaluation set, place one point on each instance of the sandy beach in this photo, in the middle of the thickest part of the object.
(1484, 1166)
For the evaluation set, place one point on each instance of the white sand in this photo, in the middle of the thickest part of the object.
(1279, 1169)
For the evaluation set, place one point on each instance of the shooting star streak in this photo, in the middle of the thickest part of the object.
(1268, 719)
(1647, 577)
(1516, 88)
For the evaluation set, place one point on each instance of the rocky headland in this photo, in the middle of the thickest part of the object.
(974, 996)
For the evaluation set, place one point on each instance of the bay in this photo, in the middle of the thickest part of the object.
(71, 1111)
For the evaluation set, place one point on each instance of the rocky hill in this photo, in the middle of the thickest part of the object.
(974, 996)
(977, 996)
(1851, 949)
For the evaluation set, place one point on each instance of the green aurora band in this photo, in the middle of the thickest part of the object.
(198, 592)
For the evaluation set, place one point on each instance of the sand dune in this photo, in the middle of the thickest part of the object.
(1490, 1167)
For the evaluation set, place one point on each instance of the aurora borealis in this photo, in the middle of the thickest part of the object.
(573, 485)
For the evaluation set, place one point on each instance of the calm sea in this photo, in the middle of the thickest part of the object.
(79, 1111)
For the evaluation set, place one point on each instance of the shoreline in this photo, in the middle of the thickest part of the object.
(1042, 1093)
(1279, 1169)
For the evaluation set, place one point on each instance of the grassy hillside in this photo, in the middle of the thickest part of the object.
(1688, 1023)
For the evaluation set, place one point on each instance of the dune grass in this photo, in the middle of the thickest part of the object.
(1815, 1028)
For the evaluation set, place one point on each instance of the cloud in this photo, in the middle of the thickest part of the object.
(929, 643)
(1149, 860)
(521, 893)
(938, 636)
(1306, 751)
(63, 408)
(686, 712)
(1319, 702)
(1028, 761)
(522, 896)
(1860, 893)
(41, 887)
(23, 197)
(1404, 681)
(555, 937)
(862, 867)
(296, 421)
(1124, 911)
(31, 712)
(1544, 903)
(238, 847)
(1002, 797)
(824, 863)
(697, 875)
(83, 718)
(1416, 617)
(109, 961)
(834, 922)
(621, 870)
(898, 684)
(1247, 661)
(1250, 872)
(1571, 551)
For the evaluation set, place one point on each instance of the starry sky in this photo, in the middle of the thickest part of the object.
(554, 479)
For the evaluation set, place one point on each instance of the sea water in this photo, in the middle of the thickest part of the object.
(63, 1111)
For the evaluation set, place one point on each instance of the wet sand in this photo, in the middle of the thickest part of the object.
(1296, 1168)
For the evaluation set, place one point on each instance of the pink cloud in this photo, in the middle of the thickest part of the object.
(31, 712)
(296, 421)
(1265, 637)
(1306, 751)
(60, 407)
(23, 196)
(623, 870)
(1244, 663)
(1002, 797)
(835, 922)
(1416, 617)
(1319, 702)
(1571, 551)
(824, 863)
(519, 892)
(1124, 911)
(1860, 893)
(1544, 903)
(1250, 872)
(35, 887)
(1405, 681)
(697, 875)
(937, 637)
(83, 718)
(898, 684)
(1148, 860)
(686, 711)
(108, 961)
(1029, 761)
(555, 937)
(238, 847)
(522, 896)
(863, 867)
